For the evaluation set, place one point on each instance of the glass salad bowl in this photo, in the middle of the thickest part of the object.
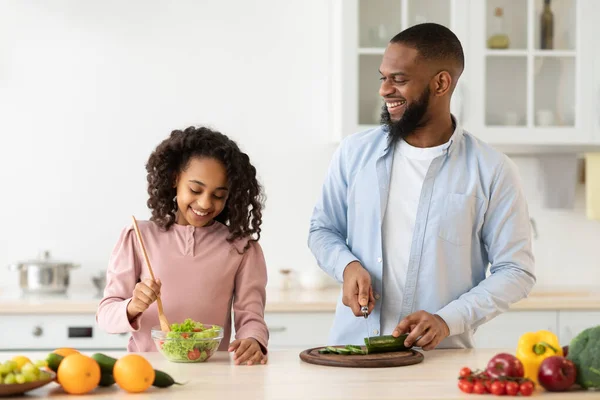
(188, 342)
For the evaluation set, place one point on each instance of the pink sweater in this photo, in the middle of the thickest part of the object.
(202, 276)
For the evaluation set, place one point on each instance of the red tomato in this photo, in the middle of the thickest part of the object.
(479, 388)
(185, 335)
(512, 388)
(526, 388)
(498, 388)
(465, 386)
(161, 343)
(194, 354)
(488, 385)
(464, 372)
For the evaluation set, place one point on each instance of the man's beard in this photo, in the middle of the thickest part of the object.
(411, 120)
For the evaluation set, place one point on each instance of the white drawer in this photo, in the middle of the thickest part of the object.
(298, 329)
(48, 332)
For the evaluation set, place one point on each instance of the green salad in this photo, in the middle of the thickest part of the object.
(190, 341)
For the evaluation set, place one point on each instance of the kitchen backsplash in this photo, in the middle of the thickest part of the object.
(566, 248)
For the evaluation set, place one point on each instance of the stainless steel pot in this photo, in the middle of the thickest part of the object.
(43, 275)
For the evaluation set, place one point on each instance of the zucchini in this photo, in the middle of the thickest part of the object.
(383, 344)
(163, 380)
(106, 379)
(105, 362)
(324, 351)
(53, 361)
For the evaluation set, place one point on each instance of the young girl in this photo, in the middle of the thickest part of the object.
(202, 243)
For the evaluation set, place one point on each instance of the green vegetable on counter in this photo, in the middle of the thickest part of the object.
(584, 351)
(377, 344)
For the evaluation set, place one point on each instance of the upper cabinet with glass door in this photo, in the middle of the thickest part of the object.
(362, 30)
(529, 79)
(530, 68)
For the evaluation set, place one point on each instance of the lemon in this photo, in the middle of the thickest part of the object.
(21, 360)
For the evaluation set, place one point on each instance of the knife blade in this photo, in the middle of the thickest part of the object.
(365, 312)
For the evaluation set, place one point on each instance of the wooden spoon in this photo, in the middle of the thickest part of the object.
(164, 324)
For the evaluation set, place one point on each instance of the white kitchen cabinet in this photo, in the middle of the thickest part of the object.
(573, 322)
(505, 330)
(361, 30)
(521, 99)
(526, 95)
(48, 332)
(296, 329)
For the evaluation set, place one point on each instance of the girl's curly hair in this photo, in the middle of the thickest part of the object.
(243, 210)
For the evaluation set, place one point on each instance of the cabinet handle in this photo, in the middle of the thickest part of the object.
(277, 329)
(38, 331)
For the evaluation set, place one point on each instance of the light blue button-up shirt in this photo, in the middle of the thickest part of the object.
(472, 213)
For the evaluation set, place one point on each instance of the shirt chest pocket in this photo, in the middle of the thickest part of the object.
(457, 220)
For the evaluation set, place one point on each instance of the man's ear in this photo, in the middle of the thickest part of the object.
(443, 83)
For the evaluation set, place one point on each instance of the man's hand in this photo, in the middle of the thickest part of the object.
(430, 327)
(357, 289)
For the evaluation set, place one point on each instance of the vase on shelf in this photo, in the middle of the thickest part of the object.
(499, 38)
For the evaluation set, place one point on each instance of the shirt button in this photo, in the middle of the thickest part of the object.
(377, 296)
(379, 259)
(375, 332)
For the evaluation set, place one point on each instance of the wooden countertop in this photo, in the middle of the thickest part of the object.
(85, 301)
(287, 377)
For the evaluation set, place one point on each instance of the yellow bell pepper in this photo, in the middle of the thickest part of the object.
(535, 347)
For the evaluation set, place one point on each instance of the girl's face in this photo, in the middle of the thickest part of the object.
(202, 191)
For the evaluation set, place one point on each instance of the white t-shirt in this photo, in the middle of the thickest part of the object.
(409, 167)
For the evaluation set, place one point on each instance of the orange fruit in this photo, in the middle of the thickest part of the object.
(78, 374)
(65, 351)
(133, 373)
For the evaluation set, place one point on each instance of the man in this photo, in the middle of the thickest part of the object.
(411, 213)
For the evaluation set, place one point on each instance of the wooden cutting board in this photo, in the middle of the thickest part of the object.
(378, 360)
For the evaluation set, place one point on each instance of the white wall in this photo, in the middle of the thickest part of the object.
(88, 88)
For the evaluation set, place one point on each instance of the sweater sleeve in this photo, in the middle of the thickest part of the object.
(122, 274)
(250, 297)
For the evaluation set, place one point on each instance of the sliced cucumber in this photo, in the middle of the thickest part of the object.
(324, 351)
(331, 349)
(352, 346)
(343, 351)
(359, 351)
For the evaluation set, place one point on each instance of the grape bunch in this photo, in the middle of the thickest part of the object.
(13, 372)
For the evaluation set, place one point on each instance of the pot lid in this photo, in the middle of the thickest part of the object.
(43, 260)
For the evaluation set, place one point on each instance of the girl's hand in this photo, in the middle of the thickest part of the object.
(144, 294)
(247, 351)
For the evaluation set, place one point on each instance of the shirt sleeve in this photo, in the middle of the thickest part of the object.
(328, 224)
(249, 297)
(506, 234)
(122, 275)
